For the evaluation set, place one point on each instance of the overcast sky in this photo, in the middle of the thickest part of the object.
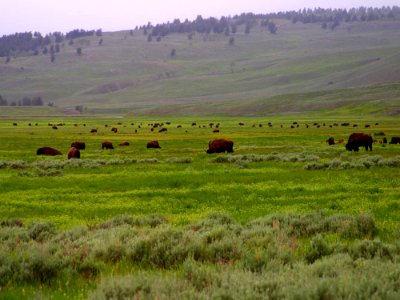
(64, 15)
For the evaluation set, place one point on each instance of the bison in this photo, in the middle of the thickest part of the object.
(357, 140)
(107, 145)
(48, 151)
(153, 144)
(93, 130)
(219, 146)
(395, 140)
(330, 141)
(74, 153)
(78, 145)
(114, 129)
(340, 141)
(124, 144)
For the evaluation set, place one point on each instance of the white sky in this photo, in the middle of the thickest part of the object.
(64, 15)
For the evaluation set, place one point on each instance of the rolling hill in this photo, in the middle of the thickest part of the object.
(302, 68)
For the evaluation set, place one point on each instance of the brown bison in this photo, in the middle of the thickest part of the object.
(94, 130)
(78, 145)
(106, 145)
(357, 140)
(330, 141)
(114, 129)
(395, 140)
(163, 130)
(48, 151)
(153, 144)
(74, 153)
(124, 144)
(219, 146)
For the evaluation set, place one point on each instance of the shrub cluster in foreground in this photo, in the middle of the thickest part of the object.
(280, 255)
(366, 161)
(55, 167)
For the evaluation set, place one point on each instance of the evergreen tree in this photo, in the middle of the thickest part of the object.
(3, 102)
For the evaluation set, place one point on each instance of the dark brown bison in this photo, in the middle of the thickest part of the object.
(94, 130)
(114, 129)
(163, 130)
(74, 153)
(48, 151)
(54, 127)
(219, 146)
(79, 145)
(124, 144)
(395, 140)
(330, 141)
(153, 144)
(357, 140)
(384, 140)
(216, 130)
(107, 145)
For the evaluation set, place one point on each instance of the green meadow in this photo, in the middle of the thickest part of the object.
(286, 216)
(138, 223)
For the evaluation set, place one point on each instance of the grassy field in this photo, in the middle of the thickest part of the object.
(284, 216)
(256, 76)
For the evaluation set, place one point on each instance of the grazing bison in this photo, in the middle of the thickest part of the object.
(48, 151)
(395, 140)
(124, 144)
(384, 140)
(94, 130)
(114, 129)
(163, 130)
(357, 140)
(153, 144)
(216, 130)
(74, 153)
(219, 146)
(330, 141)
(78, 145)
(107, 145)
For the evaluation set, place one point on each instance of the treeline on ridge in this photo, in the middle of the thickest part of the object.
(26, 101)
(227, 25)
(26, 42)
(31, 43)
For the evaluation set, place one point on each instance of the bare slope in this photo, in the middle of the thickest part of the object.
(128, 74)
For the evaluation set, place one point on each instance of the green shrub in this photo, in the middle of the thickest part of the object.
(12, 223)
(318, 248)
(179, 160)
(200, 276)
(368, 249)
(41, 231)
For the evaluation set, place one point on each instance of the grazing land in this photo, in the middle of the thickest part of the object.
(284, 216)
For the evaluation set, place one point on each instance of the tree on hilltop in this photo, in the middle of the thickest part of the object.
(3, 102)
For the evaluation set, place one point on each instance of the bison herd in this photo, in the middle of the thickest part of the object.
(220, 145)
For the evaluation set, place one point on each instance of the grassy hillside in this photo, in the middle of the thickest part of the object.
(301, 68)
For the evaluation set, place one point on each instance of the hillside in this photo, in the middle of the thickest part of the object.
(301, 68)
